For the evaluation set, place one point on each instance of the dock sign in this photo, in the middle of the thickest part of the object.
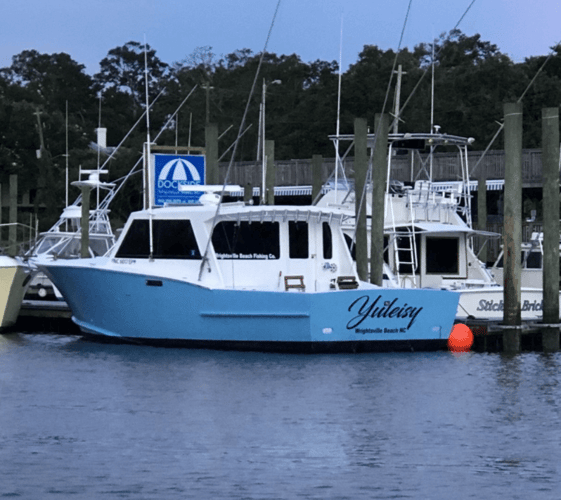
(171, 171)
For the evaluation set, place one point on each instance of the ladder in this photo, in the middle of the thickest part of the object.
(405, 254)
(404, 243)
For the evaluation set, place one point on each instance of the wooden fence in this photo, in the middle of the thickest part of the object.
(404, 168)
(407, 168)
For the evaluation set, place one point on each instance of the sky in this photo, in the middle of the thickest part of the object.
(313, 29)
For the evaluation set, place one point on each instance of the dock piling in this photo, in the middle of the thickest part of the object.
(211, 151)
(550, 173)
(248, 193)
(360, 168)
(379, 174)
(12, 237)
(317, 183)
(512, 226)
(482, 213)
(270, 174)
(85, 222)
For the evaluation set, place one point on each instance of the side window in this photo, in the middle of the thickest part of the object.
(443, 255)
(327, 241)
(172, 239)
(298, 240)
(136, 243)
(352, 246)
(255, 240)
(534, 260)
(175, 239)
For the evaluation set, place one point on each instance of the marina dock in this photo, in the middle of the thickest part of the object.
(45, 316)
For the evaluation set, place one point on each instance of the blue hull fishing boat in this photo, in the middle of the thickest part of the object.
(245, 277)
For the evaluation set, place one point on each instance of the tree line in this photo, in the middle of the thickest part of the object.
(48, 103)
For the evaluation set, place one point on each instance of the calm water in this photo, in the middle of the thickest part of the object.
(86, 420)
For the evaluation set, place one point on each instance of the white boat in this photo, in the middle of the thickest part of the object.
(428, 234)
(63, 240)
(244, 277)
(13, 283)
(531, 273)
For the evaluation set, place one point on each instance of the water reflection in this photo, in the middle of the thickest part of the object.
(94, 419)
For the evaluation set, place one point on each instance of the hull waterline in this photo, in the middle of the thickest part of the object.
(135, 307)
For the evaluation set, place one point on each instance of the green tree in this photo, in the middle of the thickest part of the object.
(124, 69)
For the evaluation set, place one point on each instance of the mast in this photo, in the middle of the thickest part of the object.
(66, 155)
(337, 159)
(399, 73)
(148, 154)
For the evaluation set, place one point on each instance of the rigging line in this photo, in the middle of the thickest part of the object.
(232, 145)
(502, 124)
(377, 130)
(132, 128)
(464, 14)
(79, 199)
(242, 125)
(426, 69)
(112, 194)
(338, 123)
(539, 71)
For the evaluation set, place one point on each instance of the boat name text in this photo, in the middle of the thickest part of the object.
(365, 308)
(491, 305)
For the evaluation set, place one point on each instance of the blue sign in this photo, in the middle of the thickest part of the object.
(171, 171)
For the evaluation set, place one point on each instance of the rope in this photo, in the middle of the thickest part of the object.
(427, 69)
(502, 124)
(376, 132)
(240, 133)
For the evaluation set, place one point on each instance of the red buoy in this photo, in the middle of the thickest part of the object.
(460, 339)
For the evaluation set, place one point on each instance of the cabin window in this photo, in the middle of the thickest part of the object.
(534, 260)
(327, 241)
(245, 240)
(99, 246)
(442, 255)
(352, 246)
(500, 262)
(298, 239)
(172, 239)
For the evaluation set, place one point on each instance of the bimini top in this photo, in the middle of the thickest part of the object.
(239, 211)
(440, 228)
(412, 140)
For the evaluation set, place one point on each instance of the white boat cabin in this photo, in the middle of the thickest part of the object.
(531, 263)
(426, 239)
(251, 247)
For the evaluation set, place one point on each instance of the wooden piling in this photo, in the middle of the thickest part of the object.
(360, 168)
(550, 173)
(482, 213)
(379, 174)
(13, 216)
(317, 182)
(211, 158)
(270, 174)
(512, 237)
(85, 222)
(248, 193)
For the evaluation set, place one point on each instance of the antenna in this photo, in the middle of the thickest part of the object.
(148, 152)
(66, 155)
(432, 92)
(338, 159)
(98, 147)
